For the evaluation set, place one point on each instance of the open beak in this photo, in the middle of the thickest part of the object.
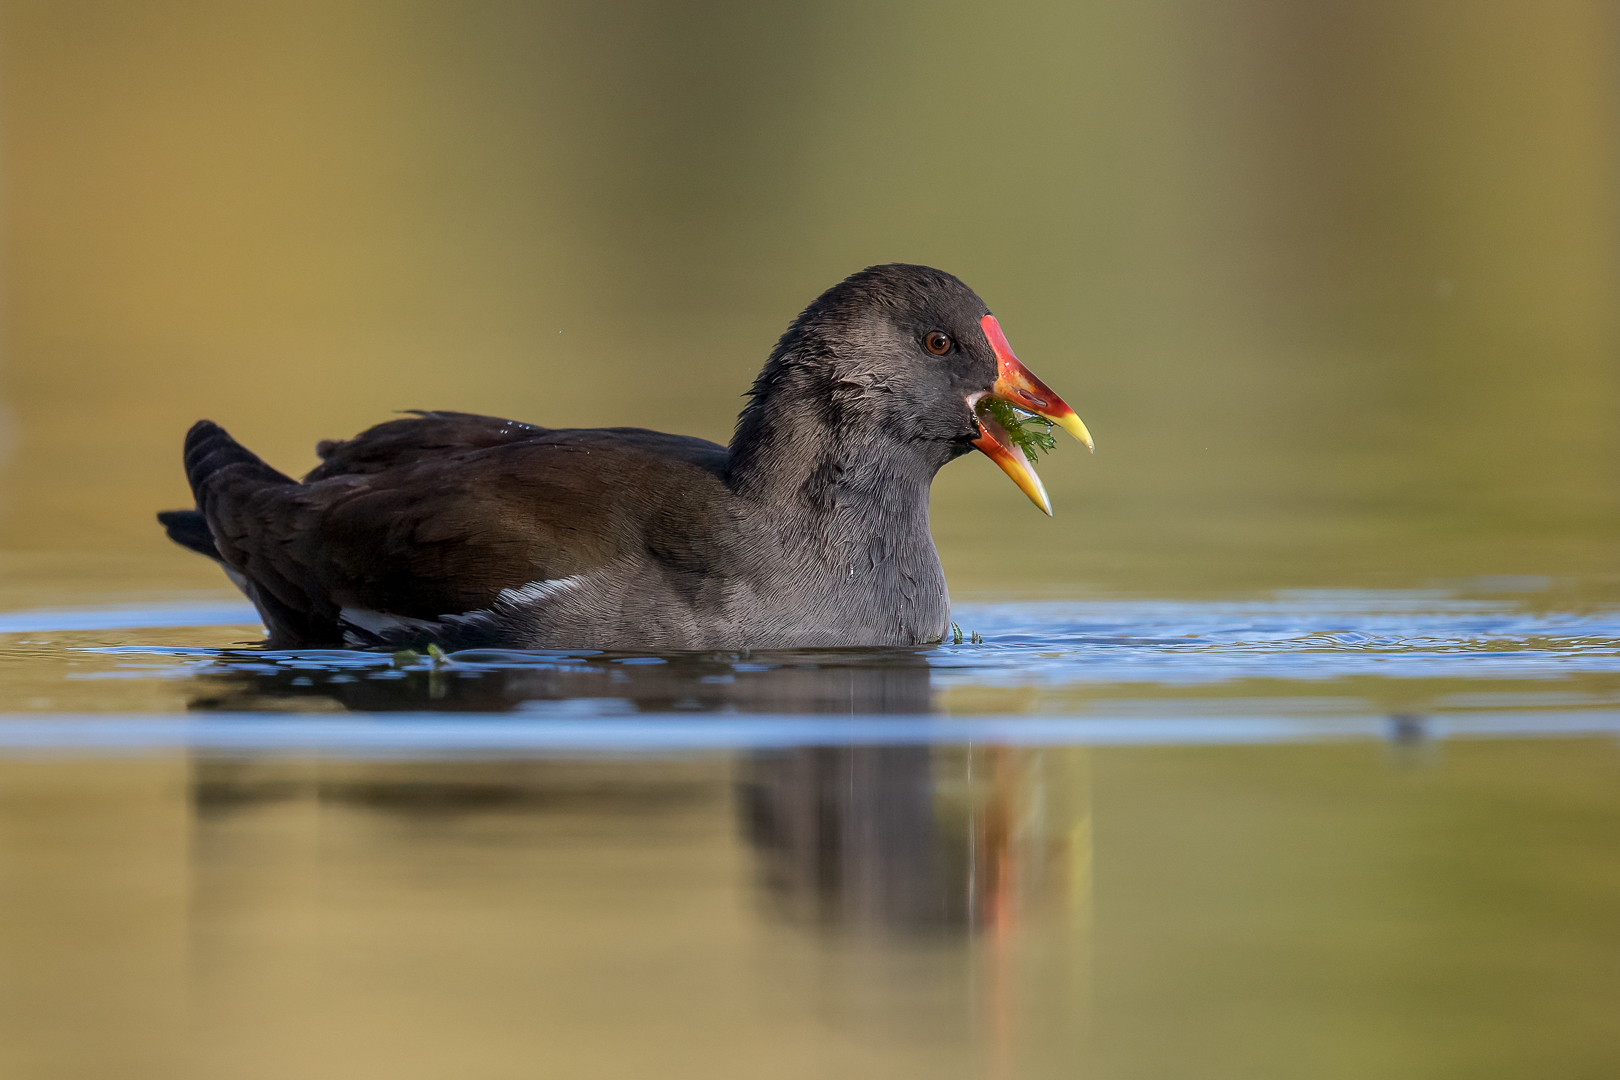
(1017, 386)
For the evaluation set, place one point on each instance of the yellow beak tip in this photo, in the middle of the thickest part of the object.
(1037, 493)
(1076, 427)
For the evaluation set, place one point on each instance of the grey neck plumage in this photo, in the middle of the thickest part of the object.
(825, 491)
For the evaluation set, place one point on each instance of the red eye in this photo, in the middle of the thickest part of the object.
(937, 343)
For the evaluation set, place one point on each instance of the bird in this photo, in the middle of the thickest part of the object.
(458, 531)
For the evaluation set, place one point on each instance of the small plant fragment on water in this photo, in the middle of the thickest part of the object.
(406, 657)
(1027, 431)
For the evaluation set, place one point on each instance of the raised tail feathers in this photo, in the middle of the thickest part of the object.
(210, 450)
(212, 456)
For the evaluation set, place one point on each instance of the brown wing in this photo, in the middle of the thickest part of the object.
(433, 524)
(422, 435)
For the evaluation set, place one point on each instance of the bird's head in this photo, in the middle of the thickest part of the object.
(906, 360)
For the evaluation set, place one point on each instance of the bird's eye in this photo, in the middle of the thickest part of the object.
(937, 343)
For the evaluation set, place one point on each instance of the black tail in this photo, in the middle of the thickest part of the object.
(210, 450)
(189, 529)
(211, 453)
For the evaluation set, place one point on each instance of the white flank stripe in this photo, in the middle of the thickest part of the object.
(536, 592)
(380, 622)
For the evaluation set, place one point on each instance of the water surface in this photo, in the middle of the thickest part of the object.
(1333, 833)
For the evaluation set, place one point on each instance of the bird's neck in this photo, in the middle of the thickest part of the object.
(801, 453)
(845, 511)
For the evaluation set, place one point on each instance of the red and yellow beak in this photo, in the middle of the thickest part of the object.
(1017, 386)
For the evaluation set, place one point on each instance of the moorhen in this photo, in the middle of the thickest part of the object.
(811, 529)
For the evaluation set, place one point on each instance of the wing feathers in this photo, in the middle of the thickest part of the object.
(432, 525)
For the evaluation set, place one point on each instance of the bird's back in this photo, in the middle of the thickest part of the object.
(432, 434)
(432, 527)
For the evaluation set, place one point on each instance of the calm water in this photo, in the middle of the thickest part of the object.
(1337, 833)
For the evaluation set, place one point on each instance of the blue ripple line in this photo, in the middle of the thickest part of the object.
(48, 620)
(416, 734)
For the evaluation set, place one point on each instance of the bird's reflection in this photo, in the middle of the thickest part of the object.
(855, 839)
(849, 836)
(829, 681)
(916, 839)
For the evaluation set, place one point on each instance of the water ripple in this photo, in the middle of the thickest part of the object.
(1303, 640)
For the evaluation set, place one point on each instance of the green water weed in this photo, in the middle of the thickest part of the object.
(1030, 433)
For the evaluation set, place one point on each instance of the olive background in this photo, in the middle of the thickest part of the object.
(1332, 282)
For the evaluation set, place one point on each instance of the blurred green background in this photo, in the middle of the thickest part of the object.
(1332, 281)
